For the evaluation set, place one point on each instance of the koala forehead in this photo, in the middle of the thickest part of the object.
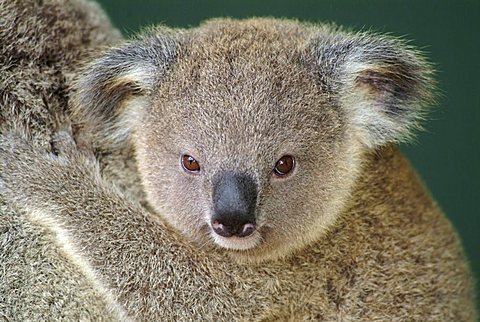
(257, 80)
(248, 82)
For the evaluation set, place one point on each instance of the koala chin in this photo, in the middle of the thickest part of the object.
(252, 135)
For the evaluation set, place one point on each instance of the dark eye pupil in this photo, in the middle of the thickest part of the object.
(190, 164)
(284, 165)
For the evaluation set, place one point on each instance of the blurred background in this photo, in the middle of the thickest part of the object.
(447, 154)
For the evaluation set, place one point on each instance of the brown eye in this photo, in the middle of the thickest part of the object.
(190, 164)
(284, 165)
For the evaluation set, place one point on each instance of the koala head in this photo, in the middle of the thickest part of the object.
(249, 134)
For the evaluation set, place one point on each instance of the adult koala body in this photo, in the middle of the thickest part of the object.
(231, 99)
(41, 43)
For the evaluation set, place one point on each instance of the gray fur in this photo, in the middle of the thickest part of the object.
(342, 89)
(378, 72)
(124, 73)
(353, 233)
(40, 45)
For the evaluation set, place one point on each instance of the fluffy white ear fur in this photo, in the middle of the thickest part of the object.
(383, 85)
(115, 87)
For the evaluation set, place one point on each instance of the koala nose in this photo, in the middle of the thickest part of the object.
(234, 200)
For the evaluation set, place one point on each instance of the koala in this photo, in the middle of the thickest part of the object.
(272, 187)
(267, 124)
(272, 141)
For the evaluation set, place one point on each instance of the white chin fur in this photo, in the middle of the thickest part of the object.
(237, 243)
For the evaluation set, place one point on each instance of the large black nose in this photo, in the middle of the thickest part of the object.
(234, 199)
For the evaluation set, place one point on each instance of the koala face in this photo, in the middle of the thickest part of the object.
(212, 147)
(249, 134)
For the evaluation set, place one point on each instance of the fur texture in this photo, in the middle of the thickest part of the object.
(40, 46)
(362, 239)
(239, 95)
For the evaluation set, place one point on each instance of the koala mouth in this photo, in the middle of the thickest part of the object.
(237, 243)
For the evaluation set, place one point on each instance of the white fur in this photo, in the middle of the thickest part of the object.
(65, 242)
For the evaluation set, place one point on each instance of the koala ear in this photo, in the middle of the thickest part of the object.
(383, 85)
(116, 86)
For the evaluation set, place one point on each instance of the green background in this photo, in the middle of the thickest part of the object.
(447, 154)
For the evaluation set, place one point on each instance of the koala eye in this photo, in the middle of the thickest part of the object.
(284, 165)
(190, 164)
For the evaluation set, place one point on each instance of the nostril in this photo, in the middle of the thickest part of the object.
(247, 230)
(221, 229)
(242, 230)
